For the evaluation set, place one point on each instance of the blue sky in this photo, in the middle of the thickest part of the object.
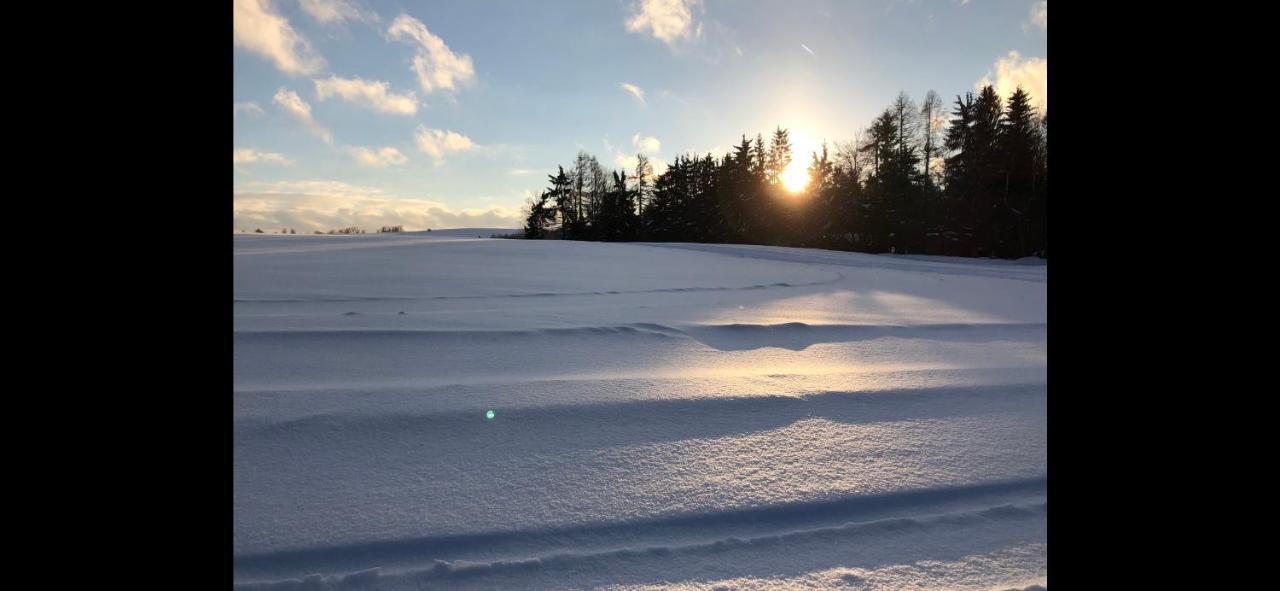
(450, 114)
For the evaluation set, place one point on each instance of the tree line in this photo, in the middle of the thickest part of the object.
(970, 182)
(343, 231)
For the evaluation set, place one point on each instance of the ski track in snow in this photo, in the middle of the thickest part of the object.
(689, 416)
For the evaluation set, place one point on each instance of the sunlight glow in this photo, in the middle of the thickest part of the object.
(796, 177)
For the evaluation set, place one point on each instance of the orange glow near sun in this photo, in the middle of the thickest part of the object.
(796, 176)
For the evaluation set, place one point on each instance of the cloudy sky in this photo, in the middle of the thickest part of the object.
(439, 114)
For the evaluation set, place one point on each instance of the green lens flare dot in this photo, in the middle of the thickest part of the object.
(489, 414)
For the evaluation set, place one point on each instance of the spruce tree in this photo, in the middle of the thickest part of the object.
(540, 214)
(1018, 143)
(561, 192)
(987, 181)
(779, 154)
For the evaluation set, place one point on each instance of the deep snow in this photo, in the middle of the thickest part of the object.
(666, 415)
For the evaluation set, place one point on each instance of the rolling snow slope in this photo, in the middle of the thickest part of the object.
(666, 415)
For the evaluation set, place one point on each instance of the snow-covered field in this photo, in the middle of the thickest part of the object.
(685, 416)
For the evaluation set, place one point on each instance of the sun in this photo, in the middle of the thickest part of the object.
(796, 176)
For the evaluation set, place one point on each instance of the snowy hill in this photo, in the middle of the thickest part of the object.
(665, 415)
(471, 232)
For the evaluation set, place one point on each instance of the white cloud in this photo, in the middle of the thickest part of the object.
(1039, 16)
(300, 110)
(371, 93)
(249, 107)
(437, 66)
(635, 91)
(438, 142)
(318, 187)
(626, 162)
(669, 21)
(324, 205)
(806, 48)
(524, 171)
(256, 28)
(1011, 71)
(620, 158)
(380, 158)
(333, 12)
(646, 145)
(249, 155)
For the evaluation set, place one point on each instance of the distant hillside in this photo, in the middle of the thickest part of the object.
(470, 232)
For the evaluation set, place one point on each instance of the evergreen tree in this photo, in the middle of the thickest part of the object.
(959, 179)
(1040, 190)
(824, 214)
(986, 168)
(779, 157)
(881, 143)
(761, 161)
(849, 199)
(1018, 147)
(665, 209)
(563, 196)
(738, 193)
(931, 127)
(617, 217)
(540, 215)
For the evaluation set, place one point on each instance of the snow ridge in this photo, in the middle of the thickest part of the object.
(1021, 270)
(441, 570)
(546, 294)
(795, 336)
